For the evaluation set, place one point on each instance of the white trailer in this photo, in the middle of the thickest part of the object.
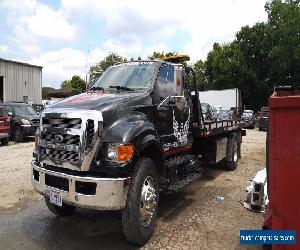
(226, 98)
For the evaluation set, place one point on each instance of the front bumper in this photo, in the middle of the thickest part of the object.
(28, 130)
(4, 135)
(109, 193)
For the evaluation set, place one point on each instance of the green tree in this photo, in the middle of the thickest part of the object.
(254, 45)
(66, 84)
(110, 60)
(260, 57)
(284, 55)
(199, 68)
(159, 55)
(76, 84)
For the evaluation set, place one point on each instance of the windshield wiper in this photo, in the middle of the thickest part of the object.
(118, 87)
(97, 88)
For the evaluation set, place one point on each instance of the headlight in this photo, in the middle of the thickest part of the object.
(119, 152)
(25, 122)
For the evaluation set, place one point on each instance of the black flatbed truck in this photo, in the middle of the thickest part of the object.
(136, 132)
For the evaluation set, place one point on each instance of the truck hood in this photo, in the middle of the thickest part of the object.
(102, 101)
(28, 117)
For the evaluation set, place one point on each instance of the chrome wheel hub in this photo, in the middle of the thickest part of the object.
(148, 201)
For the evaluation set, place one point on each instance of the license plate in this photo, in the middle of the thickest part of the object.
(56, 198)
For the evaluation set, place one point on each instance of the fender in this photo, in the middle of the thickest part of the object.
(127, 128)
(150, 146)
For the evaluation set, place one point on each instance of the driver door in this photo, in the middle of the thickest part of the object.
(174, 114)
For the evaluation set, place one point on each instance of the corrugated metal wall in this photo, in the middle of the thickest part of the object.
(21, 80)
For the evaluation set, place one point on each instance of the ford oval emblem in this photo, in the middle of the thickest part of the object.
(58, 138)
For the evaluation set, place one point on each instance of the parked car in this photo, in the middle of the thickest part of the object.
(263, 119)
(50, 103)
(235, 113)
(249, 118)
(4, 127)
(224, 115)
(209, 112)
(38, 108)
(23, 119)
(218, 109)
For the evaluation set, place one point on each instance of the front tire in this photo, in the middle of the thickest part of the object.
(18, 135)
(5, 141)
(64, 210)
(139, 215)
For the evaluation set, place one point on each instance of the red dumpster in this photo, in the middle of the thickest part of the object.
(283, 212)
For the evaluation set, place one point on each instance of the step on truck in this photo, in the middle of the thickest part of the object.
(136, 132)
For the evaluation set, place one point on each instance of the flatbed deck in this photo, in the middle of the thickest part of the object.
(211, 128)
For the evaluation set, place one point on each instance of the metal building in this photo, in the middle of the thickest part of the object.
(20, 82)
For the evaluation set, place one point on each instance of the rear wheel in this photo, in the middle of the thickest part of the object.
(139, 215)
(4, 141)
(18, 136)
(64, 210)
(232, 152)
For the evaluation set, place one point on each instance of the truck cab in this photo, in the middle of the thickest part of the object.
(136, 132)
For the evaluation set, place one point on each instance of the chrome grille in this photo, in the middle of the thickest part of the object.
(60, 155)
(66, 138)
(36, 122)
(90, 129)
(69, 138)
(62, 122)
(58, 144)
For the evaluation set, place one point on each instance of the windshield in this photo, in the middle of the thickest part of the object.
(24, 110)
(133, 75)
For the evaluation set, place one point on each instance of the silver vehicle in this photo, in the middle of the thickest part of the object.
(249, 118)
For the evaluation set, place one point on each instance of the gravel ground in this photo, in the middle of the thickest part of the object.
(15, 184)
(191, 219)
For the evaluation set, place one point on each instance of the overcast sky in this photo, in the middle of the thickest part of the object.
(66, 36)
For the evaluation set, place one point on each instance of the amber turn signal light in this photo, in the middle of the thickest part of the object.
(125, 152)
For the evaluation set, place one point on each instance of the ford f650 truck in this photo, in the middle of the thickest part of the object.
(136, 132)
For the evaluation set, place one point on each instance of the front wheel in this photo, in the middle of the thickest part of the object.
(4, 141)
(18, 136)
(139, 215)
